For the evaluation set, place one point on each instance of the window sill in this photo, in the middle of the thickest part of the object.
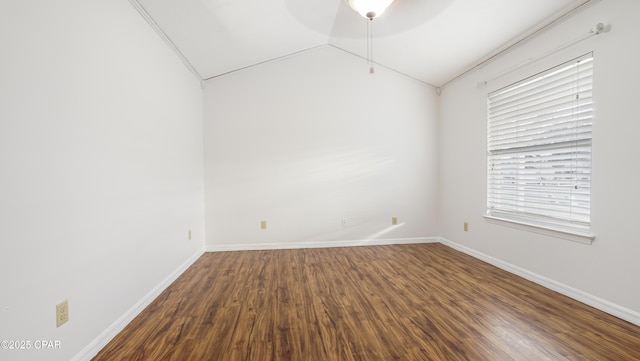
(571, 235)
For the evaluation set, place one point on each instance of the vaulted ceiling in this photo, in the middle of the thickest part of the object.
(430, 40)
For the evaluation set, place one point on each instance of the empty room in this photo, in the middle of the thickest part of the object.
(319, 180)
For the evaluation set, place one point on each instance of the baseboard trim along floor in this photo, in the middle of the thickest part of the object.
(294, 245)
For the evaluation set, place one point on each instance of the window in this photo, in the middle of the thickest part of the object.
(539, 150)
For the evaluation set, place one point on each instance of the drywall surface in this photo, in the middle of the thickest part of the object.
(306, 142)
(101, 170)
(608, 268)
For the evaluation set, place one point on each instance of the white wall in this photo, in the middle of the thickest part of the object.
(309, 140)
(608, 268)
(101, 168)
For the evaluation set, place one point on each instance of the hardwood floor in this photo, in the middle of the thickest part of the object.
(399, 302)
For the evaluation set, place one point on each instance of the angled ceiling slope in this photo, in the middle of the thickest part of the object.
(432, 41)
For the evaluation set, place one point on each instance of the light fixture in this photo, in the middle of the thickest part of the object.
(369, 8)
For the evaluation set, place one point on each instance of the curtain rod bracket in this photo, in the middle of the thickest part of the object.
(601, 28)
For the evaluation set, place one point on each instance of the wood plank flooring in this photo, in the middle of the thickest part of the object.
(398, 302)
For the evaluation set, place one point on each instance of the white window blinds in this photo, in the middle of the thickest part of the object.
(539, 148)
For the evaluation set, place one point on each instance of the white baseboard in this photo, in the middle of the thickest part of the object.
(586, 298)
(298, 245)
(105, 337)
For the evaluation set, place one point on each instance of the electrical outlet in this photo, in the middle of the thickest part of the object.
(263, 224)
(62, 313)
(394, 220)
(345, 222)
(189, 235)
(466, 226)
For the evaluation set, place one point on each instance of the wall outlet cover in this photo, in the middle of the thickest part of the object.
(62, 313)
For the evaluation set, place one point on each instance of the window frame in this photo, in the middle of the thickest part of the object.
(578, 230)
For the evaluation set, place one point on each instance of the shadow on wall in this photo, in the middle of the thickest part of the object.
(375, 231)
(286, 180)
(304, 196)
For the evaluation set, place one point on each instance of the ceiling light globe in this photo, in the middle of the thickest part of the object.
(369, 8)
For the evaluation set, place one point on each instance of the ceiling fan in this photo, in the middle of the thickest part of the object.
(372, 9)
(369, 8)
(399, 15)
